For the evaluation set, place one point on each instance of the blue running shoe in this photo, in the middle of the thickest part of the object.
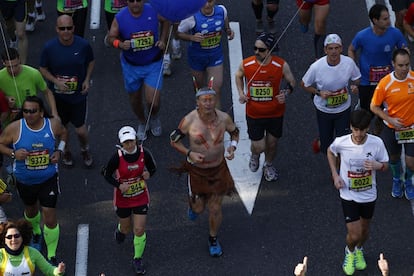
(214, 247)
(397, 188)
(36, 242)
(191, 214)
(409, 191)
(304, 28)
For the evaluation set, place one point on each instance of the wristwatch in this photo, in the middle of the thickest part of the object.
(13, 155)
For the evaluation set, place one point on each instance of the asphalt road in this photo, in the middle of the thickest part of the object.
(298, 215)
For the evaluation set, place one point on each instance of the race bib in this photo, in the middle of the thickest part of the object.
(136, 187)
(72, 4)
(70, 82)
(117, 5)
(37, 160)
(142, 41)
(211, 40)
(337, 98)
(261, 91)
(405, 135)
(360, 181)
(376, 73)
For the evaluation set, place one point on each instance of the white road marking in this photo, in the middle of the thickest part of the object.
(246, 182)
(81, 268)
(95, 14)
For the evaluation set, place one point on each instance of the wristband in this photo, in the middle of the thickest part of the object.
(234, 144)
(61, 146)
(188, 153)
(116, 43)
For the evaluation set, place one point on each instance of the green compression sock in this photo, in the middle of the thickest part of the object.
(139, 245)
(51, 240)
(35, 221)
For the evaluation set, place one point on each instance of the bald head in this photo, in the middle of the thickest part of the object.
(65, 29)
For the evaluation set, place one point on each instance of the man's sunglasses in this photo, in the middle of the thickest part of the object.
(132, 1)
(261, 50)
(31, 111)
(67, 28)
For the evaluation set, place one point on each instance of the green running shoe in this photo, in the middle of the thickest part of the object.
(349, 262)
(360, 263)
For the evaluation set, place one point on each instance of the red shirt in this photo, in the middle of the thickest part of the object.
(131, 173)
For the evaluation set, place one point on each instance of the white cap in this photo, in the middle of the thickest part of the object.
(127, 133)
(332, 39)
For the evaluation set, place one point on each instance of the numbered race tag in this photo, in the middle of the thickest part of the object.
(211, 40)
(136, 187)
(37, 160)
(70, 82)
(117, 5)
(142, 41)
(376, 73)
(261, 91)
(405, 135)
(337, 98)
(72, 5)
(360, 181)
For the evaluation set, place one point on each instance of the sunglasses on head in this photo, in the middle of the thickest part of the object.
(132, 1)
(68, 28)
(261, 50)
(16, 236)
(31, 111)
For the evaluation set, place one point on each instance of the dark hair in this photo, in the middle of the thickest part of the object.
(23, 226)
(360, 119)
(9, 54)
(39, 101)
(402, 52)
(375, 12)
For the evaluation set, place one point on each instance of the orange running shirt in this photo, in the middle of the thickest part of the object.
(263, 84)
(397, 96)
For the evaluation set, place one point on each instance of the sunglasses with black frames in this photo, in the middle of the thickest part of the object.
(16, 236)
(31, 111)
(67, 28)
(261, 50)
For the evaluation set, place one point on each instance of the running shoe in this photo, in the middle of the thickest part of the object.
(138, 265)
(316, 145)
(30, 23)
(119, 237)
(155, 125)
(13, 44)
(105, 41)
(259, 26)
(397, 188)
(67, 159)
(272, 27)
(53, 261)
(87, 158)
(40, 14)
(409, 190)
(349, 262)
(360, 263)
(36, 242)
(214, 247)
(142, 132)
(166, 65)
(254, 162)
(270, 173)
(304, 28)
(191, 214)
(176, 53)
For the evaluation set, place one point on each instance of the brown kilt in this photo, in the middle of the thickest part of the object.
(208, 181)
